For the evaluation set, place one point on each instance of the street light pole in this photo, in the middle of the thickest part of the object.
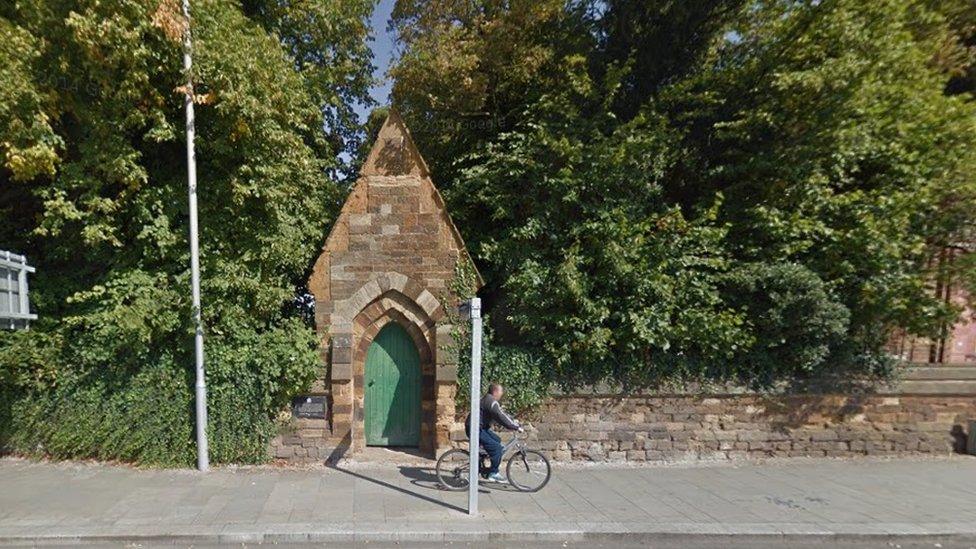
(203, 458)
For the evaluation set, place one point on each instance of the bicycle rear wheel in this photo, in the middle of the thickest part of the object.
(452, 470)
(528, 470)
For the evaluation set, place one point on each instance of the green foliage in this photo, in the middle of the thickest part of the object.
(251, 377)
(140, 418)
(93, 190)
(142, 410)
(794, 320)
(326, 41)
(519, 370)
(29, 361)
(606, 269)
(644, 167)
(957, 57)
(29, 144)
(828, 132)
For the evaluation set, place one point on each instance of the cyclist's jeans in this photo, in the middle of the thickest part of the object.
(493, 445)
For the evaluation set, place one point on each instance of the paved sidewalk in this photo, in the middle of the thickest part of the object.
(44, 502)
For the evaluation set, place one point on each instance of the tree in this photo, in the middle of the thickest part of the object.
(633, 193)
(469, 69)
(827, 130)
(93, 189)
(957, 56)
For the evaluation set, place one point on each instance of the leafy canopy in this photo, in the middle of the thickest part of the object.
(93, 190)
(734, 190)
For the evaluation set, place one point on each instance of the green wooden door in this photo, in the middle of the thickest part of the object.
(392, 399)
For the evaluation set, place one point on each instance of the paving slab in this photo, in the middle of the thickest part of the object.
(67, 503)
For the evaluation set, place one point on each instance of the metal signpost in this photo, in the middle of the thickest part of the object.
(14, 303)
(473, 310)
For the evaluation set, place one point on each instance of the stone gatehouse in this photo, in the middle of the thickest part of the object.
(385, 284)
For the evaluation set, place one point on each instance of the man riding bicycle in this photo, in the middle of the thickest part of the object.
(491, 411)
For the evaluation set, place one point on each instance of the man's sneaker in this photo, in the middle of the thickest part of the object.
(497, 477)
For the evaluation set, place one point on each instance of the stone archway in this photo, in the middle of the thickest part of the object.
(392, 384)
(393, 297)
(392, 307)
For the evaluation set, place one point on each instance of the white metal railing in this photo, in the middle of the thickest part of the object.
(14, 303)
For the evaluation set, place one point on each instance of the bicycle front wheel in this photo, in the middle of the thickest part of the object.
(528, 470)
(452, 470)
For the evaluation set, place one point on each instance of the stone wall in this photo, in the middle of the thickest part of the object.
(686, 428)
(305, 441)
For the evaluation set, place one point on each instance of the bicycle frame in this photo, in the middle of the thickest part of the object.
(453, 469)
(516, 442)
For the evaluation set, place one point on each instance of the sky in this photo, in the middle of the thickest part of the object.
(382, 46)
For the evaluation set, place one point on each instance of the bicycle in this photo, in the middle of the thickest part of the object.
(527, 470)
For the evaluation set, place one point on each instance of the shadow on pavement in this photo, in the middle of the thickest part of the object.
(426, 477)
(397, 488)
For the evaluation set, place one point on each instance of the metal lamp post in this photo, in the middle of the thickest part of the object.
(203, 458)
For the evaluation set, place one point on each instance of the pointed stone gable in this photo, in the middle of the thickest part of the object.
(394, 152)
(391, 256)
(393, 212)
